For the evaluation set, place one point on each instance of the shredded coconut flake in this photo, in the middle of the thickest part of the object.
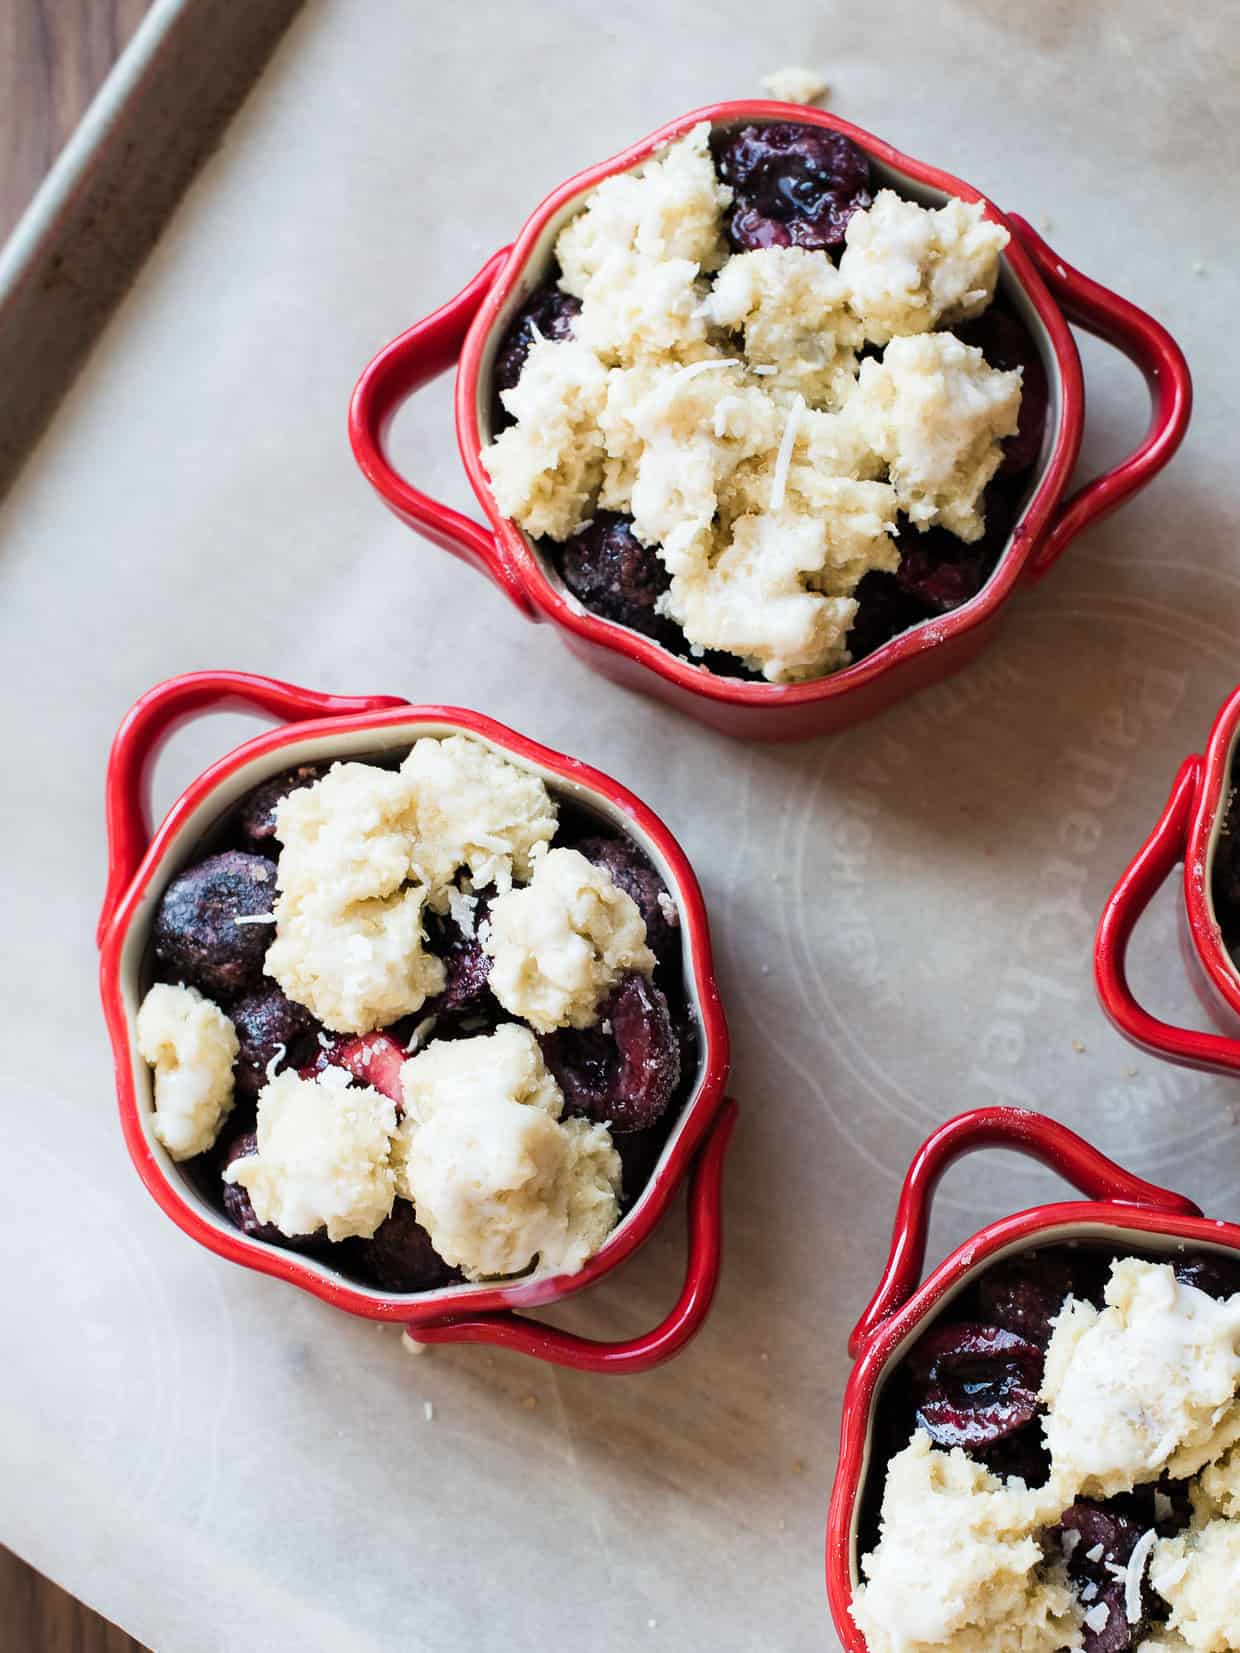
(694, 368)
(1095, 1554)
(783, 459)
(421, 1034)
(1098, 1617)
(1134, 1574)
(462, 908)
(1069, 1538)
(254, 918)
(281, 1051)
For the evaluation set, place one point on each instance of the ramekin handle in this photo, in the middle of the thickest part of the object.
(421, 353)
(152, 719)
(507, 1330)
(1053, 1144)
(1150, 867)
(1150, 347)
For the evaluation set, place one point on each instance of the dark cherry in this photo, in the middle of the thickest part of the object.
(466, 967)
(237, 1205)
(885, 608)
(609, 570)
(1140, 1506)
(639, 1154)
(625, 1076)
(1024, 1294)
(399, 1255)
(256, 817)
(1098, 1524)
(1214, 1274)
(794, 186)
(1106, 1537)
(1116, 1635)
(547, 309)
(633, 873)
(1023, 1453)
(942, 583)
(196, 937)
(265, 1020)
(941, 571)
(1006, 343)
(974, 1384)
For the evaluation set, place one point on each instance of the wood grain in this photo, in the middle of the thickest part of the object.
(54, 54)
(36, 1617)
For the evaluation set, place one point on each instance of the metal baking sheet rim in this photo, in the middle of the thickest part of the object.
(88, 230)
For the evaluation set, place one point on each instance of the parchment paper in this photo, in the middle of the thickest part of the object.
(903, 914)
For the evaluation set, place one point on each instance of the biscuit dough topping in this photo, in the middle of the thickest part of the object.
(322, 1159)
(560, 943)
(192, 1045)
(498, 1181)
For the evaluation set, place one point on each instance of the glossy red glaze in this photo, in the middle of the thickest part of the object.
(141, 862)
(472, 323)
(1185, 831)
(1117, 1206)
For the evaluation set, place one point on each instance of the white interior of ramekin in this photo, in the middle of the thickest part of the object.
(537, 268)
(1115, 1238)
(180, 851)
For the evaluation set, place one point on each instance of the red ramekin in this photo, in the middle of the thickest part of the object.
(1119, 1209)
(1049, 294)
(1187, 831)
(318, 726)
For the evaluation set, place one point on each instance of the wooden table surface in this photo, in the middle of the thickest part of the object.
(53, 56)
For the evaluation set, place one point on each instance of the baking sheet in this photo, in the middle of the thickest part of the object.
(903, 913)
(101, 208)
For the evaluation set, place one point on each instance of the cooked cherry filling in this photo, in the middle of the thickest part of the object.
(632, 1069)
(793, 186)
